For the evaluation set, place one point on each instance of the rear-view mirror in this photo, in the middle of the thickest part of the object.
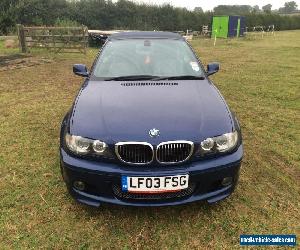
(212, 68)
(80, 70)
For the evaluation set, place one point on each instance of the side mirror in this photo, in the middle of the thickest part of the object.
(212, 68)
(80, 70)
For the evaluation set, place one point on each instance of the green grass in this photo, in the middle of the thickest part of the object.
(259, 79)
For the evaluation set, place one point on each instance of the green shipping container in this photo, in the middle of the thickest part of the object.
(220, 26)
(228, 26)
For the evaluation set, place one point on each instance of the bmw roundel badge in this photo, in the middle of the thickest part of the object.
(154, 132)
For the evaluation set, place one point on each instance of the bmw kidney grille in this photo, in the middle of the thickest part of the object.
(171, 152)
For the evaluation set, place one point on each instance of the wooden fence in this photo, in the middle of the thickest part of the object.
(57, 39)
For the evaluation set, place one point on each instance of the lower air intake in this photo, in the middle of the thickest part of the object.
(152, 196)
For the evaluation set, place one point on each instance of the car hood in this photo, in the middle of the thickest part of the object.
(116, 111)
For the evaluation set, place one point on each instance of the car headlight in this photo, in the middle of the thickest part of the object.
(82, 146)
(222, 143)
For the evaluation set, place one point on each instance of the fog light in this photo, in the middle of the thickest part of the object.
(79, 185)
(227, 181)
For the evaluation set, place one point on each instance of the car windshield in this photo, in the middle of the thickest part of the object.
(147, 58)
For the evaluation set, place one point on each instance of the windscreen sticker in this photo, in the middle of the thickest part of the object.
(195, 66)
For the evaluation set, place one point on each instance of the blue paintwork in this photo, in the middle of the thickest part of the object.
(233, 23)
(102, 175)
(80, 70)
(109, 111)
(232, 26)
(212, 68)
(188, 110)
(243, 26)
(145, 35)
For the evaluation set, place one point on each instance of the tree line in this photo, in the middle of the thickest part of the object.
(124, 14)
(288, 8)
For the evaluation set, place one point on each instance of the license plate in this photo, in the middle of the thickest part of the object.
(151, 184)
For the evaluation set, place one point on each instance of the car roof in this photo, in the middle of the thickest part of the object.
(145, 34)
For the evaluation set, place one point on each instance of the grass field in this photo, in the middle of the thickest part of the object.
(260, 80)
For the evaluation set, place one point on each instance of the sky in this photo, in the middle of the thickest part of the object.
(210, 4)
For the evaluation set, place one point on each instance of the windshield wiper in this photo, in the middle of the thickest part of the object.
(131, 78)
(183, 77)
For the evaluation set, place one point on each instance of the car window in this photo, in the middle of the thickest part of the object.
(157, 57)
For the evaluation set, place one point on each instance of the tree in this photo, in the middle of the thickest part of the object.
(41, 12)
(267, 8)
(232, 9)
(7, 15)
(198, 9)
(255, 9)
(127, 14)
(289, 7)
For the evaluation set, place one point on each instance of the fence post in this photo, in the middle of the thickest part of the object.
(21, 36)
(84, 33)
(215, 40)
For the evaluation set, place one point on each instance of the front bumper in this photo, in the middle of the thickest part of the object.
(101, 180)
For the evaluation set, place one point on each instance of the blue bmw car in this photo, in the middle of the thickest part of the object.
(148, 127)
